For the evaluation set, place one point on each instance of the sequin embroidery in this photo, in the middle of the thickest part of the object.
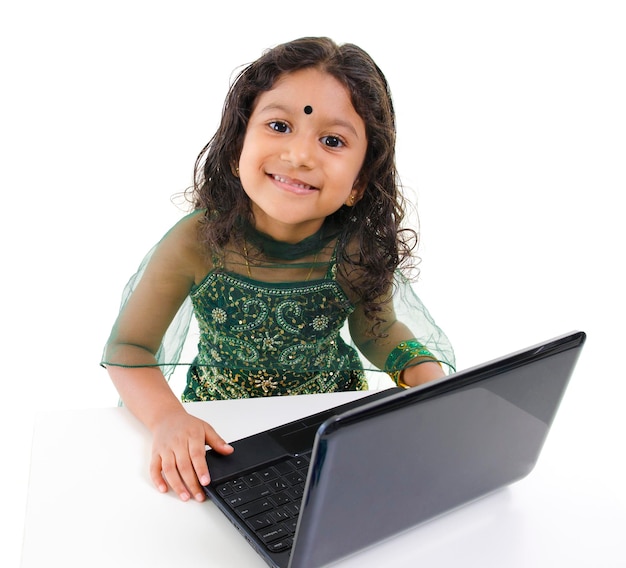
(259, 339)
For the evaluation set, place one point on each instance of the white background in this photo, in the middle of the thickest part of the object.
(511, 121)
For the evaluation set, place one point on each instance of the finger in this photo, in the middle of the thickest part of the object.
(173, 472)
(216, 442)
(193, 468)
(197, 453)
(156, 475)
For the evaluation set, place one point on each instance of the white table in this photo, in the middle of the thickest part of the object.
(91, 503)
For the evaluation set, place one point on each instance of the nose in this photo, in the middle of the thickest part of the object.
(299, 151)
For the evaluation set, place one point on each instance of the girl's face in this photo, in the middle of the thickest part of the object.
(302, 153)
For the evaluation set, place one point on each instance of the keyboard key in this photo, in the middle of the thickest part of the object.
(280, 545)
(254, 508)
(252, 480)
(276, 485)
(225, 489)
(273, 533)
(295, 478)
(279, 515)
(246, 496)
(290, 525)
(281, 498)
(238, 485)
(295, 493)
(261, 521)
(300, 462)
(293, 509)
(267, 474)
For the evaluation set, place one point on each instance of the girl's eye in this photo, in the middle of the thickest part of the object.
(332, 141)
(279, 126)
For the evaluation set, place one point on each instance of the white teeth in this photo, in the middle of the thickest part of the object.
(285, 180)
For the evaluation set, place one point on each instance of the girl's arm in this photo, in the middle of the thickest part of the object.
(417, 369)
(179, 439)
(178, 453)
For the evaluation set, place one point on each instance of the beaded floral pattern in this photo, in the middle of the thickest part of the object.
(260, 339)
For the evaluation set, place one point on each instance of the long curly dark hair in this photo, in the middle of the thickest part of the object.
(373, 225)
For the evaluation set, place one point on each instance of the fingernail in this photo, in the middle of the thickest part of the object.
(205, 480)
(184, 496)
(200, 497)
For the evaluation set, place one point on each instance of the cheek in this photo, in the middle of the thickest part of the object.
(251, 154)
(246, 162)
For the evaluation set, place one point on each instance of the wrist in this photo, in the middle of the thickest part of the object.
(408, 354)
(421, 372)
(164, 414)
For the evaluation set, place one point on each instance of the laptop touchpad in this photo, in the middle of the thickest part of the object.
(298, 440)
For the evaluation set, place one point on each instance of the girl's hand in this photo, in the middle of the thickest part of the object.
(178, 454)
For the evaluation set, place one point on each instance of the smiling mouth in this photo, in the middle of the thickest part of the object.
(297, 184)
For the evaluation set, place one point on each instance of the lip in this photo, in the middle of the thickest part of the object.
(292, 185)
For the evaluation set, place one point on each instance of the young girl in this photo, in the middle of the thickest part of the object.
(296, 230)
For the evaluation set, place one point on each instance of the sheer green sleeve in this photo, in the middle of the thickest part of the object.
(410, 309)
(410, 334)
(169, 352)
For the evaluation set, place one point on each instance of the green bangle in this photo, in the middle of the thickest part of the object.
(402, 355)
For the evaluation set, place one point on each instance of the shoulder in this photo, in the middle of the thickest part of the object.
(185, 231)
(183, 236)
(181, 248)
(368, 276)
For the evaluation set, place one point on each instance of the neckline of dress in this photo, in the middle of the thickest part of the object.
(272, 248)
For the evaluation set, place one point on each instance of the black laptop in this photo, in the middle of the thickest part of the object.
(318, 489)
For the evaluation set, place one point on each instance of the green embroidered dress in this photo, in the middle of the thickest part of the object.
(259, 339)
(271, 324)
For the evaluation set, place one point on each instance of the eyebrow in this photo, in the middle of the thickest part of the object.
(332, 122)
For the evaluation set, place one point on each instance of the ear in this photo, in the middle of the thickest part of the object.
(356, 194)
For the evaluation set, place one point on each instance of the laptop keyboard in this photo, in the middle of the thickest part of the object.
(268, 500)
